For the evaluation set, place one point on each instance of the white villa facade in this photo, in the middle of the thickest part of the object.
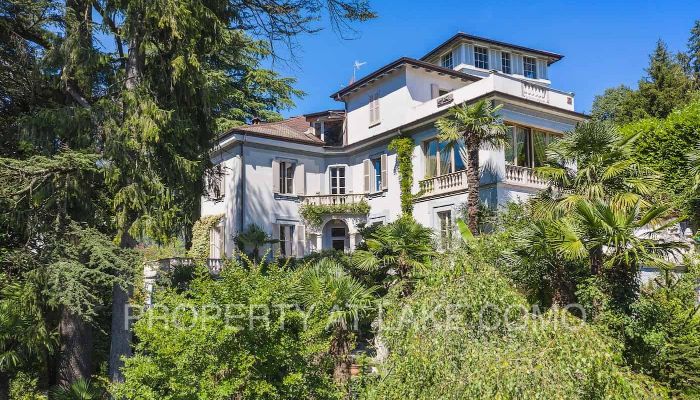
(340, 156)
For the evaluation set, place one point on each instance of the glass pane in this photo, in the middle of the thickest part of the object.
(460, 151)
(377, 174)
(539, 144)
(510, 148)
(445, 159)
(431, 160)
(522, 146)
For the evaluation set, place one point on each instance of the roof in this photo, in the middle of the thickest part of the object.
(465, 36)
(293, 129)
(399, 63)
(324, 113)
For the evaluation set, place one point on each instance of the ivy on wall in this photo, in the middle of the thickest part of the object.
(404, 152)
(200, 236)
(313, 213)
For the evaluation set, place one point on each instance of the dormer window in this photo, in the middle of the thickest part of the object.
(481, 57)
(446, 60)
(530, 67)
(505, 62)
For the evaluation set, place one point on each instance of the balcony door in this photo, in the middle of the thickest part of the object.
(337, 176)
(442, 159)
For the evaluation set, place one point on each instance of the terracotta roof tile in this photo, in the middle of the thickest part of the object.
(294, 129)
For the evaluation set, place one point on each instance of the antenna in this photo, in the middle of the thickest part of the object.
(356, 67)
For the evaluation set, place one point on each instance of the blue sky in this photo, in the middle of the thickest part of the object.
(604, 43)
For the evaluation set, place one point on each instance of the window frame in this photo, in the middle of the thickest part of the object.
(444, 57)
(530, 144)
(286, 180)
(478, 57)
(506, 59)
(337, 187)
(438, 157)
(526, 62)
(285, 241)
(445, 227)
(377, 168)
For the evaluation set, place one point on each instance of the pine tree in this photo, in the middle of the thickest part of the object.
(111, 140)
(666, 87)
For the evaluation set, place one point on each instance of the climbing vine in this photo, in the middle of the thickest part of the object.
(200, 236)
(313, 213)
(404, 153)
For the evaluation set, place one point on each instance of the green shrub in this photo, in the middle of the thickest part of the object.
(473, 352)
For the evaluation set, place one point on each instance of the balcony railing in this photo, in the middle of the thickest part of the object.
(334, 199)
(453, 182)
(523, 176)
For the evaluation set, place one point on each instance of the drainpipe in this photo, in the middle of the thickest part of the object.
(241, 188)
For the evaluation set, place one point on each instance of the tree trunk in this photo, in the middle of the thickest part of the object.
(596, 258)
(75, 359)
(339, 350)
(473, 186)
(4, 386)
(120, 337)
(561, 295)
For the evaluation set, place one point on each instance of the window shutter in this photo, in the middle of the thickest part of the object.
(275, 236)
(300, 241)
(384, 175)
(275, 177)
(367, 167)
(299, 180)
(434, 91)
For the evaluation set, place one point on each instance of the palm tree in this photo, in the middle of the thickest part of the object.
(595, 162)
(326, 287)
(254, 237)
(480, 127)
(397, 249)
(616, 241)
(81, 389)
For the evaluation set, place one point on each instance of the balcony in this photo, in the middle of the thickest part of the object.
(523, 176)
(334, 199)
(448, 183)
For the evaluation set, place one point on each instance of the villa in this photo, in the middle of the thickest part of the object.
(267, 171)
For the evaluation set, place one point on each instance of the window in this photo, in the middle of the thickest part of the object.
(216, 242)
(374, 108)
(446, 60)
(540, 141)
(527, 146)
(337, 180)
(530, 67)
(377, 174)
(338, 239)
(441, 160)
(481, 57)
(286, 177)
(318, 129)
(442, 92)
(445, 221)
(505, 62)
(286, 238)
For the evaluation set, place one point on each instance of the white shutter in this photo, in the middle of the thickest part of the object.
(299, 180)
(384, 175)
(300, 241)
(367, 168)
(275, 176)
(275, 236)
(434, 91)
